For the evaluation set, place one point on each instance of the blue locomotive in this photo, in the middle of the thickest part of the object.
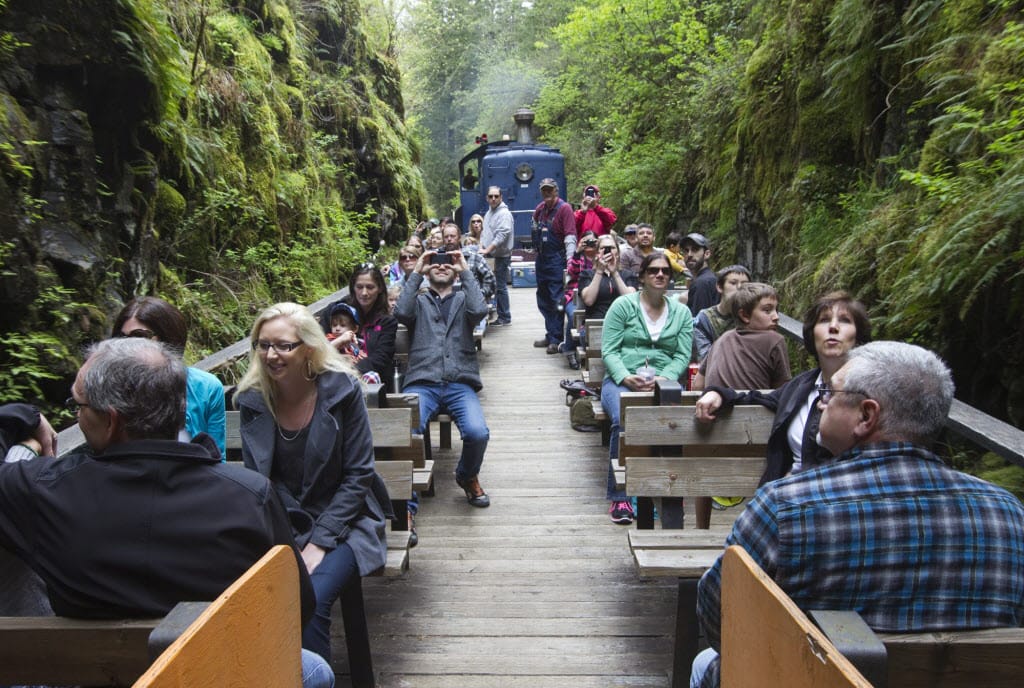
(517, 168)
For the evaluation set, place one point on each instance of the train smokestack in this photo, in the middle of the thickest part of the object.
(523, 118)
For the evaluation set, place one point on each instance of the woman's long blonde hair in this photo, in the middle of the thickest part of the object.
(322, 356)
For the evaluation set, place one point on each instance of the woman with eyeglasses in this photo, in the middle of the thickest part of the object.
(378, 329)
(646, 336)
(833, 325)
(153, 318)
(304, 426)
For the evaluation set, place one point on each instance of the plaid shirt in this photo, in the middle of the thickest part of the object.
(887, 530)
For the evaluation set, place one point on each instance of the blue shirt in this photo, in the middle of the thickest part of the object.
(887, 530)
(204, 407)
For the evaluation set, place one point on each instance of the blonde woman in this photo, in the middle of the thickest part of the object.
(304, 426)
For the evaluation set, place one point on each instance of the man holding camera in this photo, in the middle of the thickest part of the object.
(554, 238)
(443, 368)
(592, 216)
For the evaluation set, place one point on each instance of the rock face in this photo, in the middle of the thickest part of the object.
(140, 137)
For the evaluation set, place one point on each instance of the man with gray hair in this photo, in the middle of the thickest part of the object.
(886, 528)
(143, 521)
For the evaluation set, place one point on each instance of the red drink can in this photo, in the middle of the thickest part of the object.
(691, 373)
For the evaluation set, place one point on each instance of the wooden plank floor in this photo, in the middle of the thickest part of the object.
(539, 590)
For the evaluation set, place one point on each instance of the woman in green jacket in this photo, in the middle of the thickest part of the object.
(641, 331)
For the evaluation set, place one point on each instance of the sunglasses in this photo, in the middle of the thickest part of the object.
(477, 222)
(493, 195)
(659, 271)
(140, 333)
(407, 256)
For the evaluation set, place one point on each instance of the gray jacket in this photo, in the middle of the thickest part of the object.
(498, 230)
(441, 350)
(342, 500)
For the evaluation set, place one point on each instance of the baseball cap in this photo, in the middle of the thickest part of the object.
(630, 229)
(342, 307)
(696, 238)
(548, 181)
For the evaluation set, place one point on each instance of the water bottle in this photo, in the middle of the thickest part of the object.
(646, 371)
(396, 383)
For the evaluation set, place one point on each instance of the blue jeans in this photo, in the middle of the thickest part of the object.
(464, 406)
(316, 672)
(329, 578)
(502, 266)
(550, 267)
(610, 393)
(568, 345)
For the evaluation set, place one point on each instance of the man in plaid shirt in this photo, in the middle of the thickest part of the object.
(886, 529)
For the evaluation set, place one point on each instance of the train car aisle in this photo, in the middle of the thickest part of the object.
(538, 590)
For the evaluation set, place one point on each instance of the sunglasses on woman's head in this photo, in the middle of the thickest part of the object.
(139, 333)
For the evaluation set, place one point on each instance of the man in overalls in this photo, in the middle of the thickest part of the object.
(554, 238)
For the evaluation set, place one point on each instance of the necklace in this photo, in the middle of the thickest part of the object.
(286, 438)
(307, 416)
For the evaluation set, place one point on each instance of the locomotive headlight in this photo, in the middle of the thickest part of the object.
(524, 172)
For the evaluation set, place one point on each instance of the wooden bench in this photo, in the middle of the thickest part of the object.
(726, 457)
(768, 641)
(250, 635)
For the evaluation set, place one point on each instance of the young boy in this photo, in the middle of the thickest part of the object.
(675, 257)
(715, 320)
(344, 323)
(754, 355)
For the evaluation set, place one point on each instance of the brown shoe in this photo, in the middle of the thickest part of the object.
(540, 343)
(554, 349)
(475, 494)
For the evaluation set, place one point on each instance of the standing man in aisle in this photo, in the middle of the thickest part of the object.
(704, 287)
(554, 238)
(443, 368)
(496, 242)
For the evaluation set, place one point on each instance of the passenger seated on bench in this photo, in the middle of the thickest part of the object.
(886, 529)
(712, 322)
(477, 263)
(833, 325)
(581, 260)
(754, 355)
(150, 317)
(378, 329)
(599, 287)
(443, 368)
(641, 330)
(143, 521)
(304, 425)
(407, 256)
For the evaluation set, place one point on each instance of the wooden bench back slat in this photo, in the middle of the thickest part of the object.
(249, 636)
(990, 658)
(56, 651)
(766, 639)
(391, 427)
(397, 477)
(744, 427)
(683, 476)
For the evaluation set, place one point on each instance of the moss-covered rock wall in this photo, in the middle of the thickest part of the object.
(222, 153)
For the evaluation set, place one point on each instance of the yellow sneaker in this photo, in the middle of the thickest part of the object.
(723, 503)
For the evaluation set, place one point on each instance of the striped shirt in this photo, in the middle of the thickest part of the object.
(890, 531)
